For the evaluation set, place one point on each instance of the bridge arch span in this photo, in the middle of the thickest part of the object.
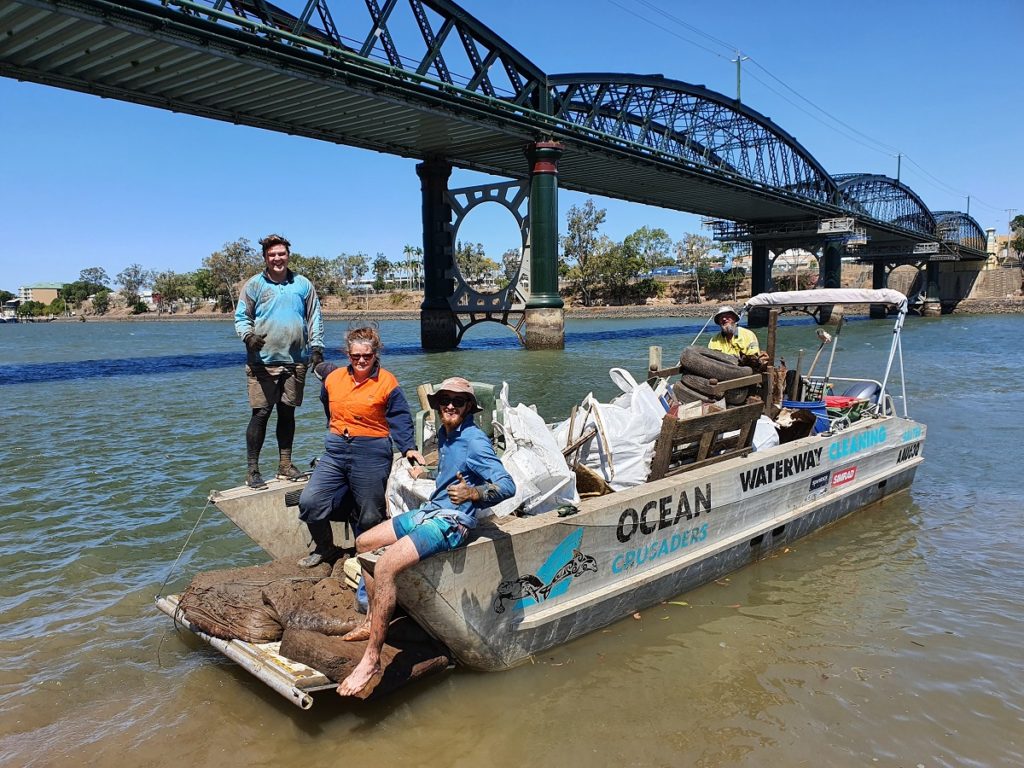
(960, 228)
(693, 124)
(886, 199)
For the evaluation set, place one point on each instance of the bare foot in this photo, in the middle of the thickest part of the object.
(360, 633)
(359, 678)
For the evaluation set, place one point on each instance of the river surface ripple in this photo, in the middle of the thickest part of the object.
(892, 638)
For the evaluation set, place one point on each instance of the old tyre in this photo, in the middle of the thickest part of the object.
(711, 364)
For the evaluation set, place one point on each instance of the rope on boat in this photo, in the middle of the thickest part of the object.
(170, 572)
(167, 578)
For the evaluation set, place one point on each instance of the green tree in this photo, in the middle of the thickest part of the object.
(691, 253)
(132, 280)
(6, 296)
(58, 307)
(616, 268)
(651, 247)
(96, 276)
(510, 261)
(31, 309)
(381, 272)
(323, 273)
(1017, 237)
(172, 287)
(206, 283)
(232, 265)
(101, 302)
(473, 263)
(580, 248)
(414, 263)
(353, 267)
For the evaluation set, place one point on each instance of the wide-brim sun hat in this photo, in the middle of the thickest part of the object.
(456, 385)
(726, 310)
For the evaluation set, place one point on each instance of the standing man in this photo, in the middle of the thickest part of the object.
(470, 477)
(732, 339)
(278, 318)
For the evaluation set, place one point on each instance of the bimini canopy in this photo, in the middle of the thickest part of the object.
(829, 296)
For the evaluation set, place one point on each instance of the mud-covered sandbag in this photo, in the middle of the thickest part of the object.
(229, 603)
(327, 607)
(409, 653)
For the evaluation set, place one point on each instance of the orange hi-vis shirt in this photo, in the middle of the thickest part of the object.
(360, 410)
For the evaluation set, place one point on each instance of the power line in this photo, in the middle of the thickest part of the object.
(846, 130)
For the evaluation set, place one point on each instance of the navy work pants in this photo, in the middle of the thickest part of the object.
(353, 472)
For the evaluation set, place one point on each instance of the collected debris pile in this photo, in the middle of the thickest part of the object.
(308, 610)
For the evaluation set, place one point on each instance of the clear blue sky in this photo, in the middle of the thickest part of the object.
(93, 182)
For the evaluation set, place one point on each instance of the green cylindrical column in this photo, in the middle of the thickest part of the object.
(545, 317)
(437, 323)
(543, 157)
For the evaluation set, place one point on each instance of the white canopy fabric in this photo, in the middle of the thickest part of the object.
(829, 296)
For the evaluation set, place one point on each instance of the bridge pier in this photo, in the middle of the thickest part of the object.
(437, 321)
(545, 319)
(878, 282)
(760, 280)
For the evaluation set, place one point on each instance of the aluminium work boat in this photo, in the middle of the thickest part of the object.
(713, 504)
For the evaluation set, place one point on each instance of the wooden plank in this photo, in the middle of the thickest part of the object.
(692, 442)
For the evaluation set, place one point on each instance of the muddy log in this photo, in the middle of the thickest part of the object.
(408, 654)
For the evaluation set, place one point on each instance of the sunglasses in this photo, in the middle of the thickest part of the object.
(360, 356)
(457, 400)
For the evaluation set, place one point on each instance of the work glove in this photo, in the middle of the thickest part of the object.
(254, 342)
(316, 357)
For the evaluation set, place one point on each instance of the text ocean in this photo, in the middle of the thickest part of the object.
(657, 514)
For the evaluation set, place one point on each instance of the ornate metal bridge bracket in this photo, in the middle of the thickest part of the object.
(508, 305)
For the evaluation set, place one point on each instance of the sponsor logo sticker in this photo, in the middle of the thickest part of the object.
(844, 476)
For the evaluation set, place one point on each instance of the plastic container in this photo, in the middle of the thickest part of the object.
(840, 401)
(817, 407)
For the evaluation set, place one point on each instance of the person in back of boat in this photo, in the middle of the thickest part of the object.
(367, 413)
(470, 477)
(732, 339)
(278, 318)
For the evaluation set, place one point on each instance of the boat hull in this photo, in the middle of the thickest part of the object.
(524, 585)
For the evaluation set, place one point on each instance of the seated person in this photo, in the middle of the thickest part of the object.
(469, 477)
(732, 339)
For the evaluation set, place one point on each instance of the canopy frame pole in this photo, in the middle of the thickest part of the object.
(895, 347)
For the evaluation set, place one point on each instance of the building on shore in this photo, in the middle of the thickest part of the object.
(44, 293)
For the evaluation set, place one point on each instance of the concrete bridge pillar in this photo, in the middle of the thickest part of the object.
(831, 266)
(878, 282)
(545, 319)
(760, 281)
(932, 306)
(437, 321)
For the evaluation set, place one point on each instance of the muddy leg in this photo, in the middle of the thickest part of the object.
(396, 559)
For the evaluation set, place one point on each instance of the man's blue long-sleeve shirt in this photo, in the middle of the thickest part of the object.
(467, 450)
(288, 313)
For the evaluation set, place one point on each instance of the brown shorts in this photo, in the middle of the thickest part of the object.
(273, 384)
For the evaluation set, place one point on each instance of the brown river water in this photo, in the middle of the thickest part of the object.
(893, 638)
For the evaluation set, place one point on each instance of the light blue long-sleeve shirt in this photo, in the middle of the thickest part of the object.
(467, 450)
(288, 313)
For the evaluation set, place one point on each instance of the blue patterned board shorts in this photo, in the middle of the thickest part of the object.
(429, 535)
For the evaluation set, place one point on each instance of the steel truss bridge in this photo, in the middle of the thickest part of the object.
(424, 79)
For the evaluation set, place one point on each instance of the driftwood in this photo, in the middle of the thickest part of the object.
(229, 603)
(408, 654)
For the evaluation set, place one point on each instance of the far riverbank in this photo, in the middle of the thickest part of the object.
(1004, 306)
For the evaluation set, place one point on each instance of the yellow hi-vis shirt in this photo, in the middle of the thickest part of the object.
(743, 343)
